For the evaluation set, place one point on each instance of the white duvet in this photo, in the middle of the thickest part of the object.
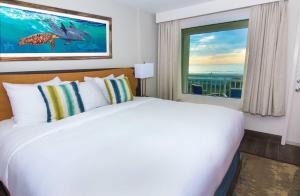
(147, 147)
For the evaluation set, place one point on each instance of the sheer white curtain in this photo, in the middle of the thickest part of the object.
(265, 75)
(168, 59)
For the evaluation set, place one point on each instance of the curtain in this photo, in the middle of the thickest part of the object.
(168, 59)
(266, 64)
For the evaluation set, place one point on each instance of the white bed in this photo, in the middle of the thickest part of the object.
(147, 147)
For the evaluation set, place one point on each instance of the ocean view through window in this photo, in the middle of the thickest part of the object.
(213, 59)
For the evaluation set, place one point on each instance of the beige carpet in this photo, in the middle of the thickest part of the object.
(264, 177)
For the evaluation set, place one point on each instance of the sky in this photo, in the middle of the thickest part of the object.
(224, 47)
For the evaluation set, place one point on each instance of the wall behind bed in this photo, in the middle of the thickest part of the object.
(134, 39)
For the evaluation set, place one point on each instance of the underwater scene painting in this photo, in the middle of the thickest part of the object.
(30, 32)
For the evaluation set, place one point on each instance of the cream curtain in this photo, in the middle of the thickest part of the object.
(168, 59)
(265, 81)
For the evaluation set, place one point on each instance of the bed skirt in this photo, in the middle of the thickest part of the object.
(230, 178)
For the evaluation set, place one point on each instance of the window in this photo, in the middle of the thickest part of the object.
(213, 59)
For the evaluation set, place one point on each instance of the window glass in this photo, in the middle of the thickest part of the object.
(213, 59)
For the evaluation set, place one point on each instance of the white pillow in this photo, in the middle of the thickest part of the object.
(27, 103)
(100, 83)
(120, 76)
(91, 95)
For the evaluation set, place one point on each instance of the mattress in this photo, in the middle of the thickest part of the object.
(147, 147)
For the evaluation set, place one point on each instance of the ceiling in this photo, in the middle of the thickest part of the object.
(155, 6)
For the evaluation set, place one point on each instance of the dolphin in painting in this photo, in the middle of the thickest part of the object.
(68, 34)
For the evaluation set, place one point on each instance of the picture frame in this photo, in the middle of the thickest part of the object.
(36, 32)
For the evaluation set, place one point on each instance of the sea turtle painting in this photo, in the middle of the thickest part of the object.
(38, 39)
(26, 33)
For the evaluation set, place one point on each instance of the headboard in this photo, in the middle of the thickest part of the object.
(70, 75)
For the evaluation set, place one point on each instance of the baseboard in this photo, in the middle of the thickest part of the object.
(273, 137)
(293, 143)
(262, 135)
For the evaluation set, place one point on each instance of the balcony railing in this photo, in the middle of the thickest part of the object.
(213, 84)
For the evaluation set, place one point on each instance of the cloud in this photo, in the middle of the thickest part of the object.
(206, 39)
(223, 47)
(198, 47)
(211, 49)
(236, 57)
(239, 51)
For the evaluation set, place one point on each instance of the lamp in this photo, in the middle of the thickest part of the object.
(142, 72)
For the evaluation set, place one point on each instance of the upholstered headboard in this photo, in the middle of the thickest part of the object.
(70, 75)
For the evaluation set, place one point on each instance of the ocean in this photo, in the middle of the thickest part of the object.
(216, 69)
(17, 24)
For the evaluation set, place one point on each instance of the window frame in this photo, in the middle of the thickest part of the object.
(185, 43)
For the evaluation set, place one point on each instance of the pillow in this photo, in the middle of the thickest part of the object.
(100, 83)
(120, 76)
(26, 102)
(119, 90)
(61, 100)
(91, 95)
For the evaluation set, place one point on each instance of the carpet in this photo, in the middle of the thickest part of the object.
(265, 177)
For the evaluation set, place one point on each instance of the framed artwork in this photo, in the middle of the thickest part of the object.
(35, 32)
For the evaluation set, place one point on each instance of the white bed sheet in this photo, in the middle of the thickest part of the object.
(6, 127)
(147, 147)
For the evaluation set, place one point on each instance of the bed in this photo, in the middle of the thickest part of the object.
(148, 147)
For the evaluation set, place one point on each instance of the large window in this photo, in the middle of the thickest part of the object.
(213, 59)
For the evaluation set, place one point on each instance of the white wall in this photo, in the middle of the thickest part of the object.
(205, 8)
(293, 131)
(148, 42)
(273, 125)
(131, 37)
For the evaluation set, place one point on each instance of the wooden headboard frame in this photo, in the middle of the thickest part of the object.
(66, 75)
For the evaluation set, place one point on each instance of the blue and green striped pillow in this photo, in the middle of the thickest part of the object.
(119, 90)
(61, 100)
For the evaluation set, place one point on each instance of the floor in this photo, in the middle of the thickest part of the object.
(268, 146)
(263, 145)
(260, 176)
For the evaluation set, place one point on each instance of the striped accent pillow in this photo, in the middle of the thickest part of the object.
(61, 100)
(119, 90)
